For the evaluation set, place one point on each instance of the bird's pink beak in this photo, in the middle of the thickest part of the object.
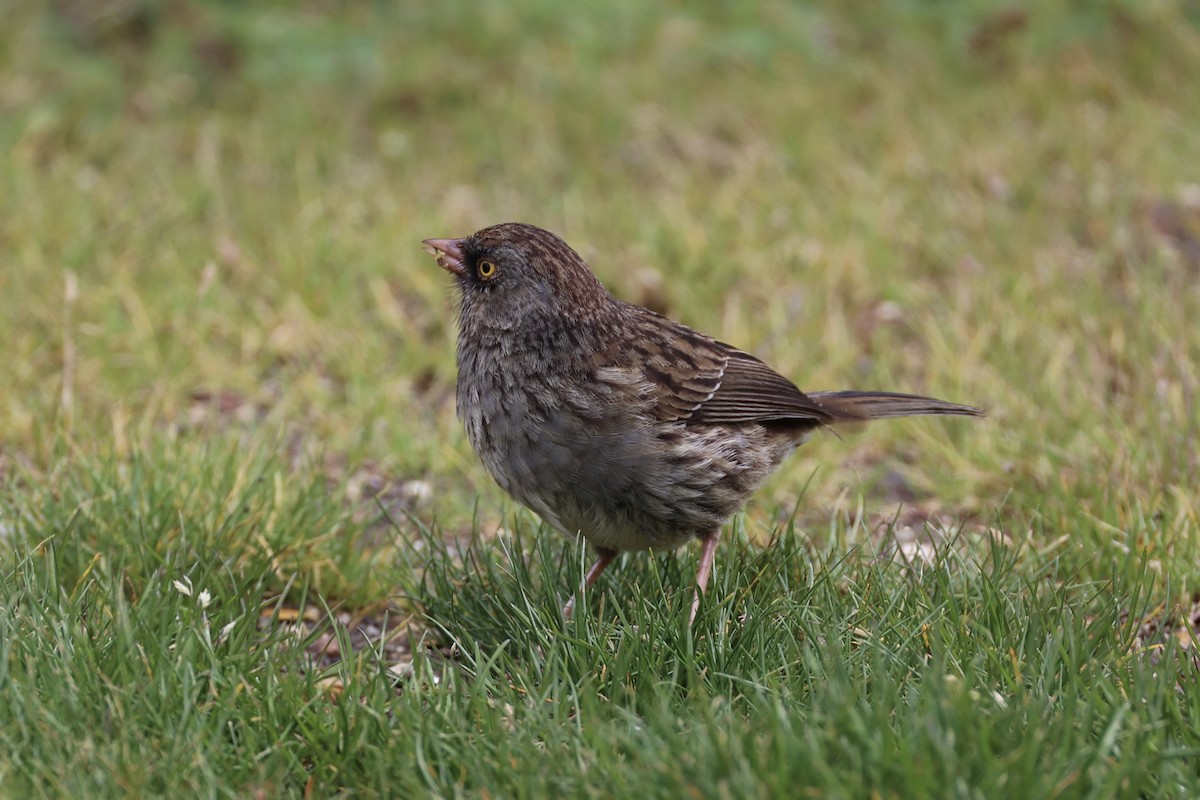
(449, 254)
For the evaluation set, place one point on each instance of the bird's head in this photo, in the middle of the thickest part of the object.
(510, 271)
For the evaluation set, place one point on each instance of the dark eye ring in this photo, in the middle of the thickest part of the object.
(487, 269)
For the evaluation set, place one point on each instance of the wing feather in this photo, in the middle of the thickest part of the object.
(697, 379)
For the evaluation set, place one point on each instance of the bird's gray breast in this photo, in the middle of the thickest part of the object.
(580, 450)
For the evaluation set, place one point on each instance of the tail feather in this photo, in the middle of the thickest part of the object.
(851, 406)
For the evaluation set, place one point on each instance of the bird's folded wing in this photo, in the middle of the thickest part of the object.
(697, 379)
(750, 391)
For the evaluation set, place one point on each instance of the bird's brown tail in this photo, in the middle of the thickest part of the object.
(859, 406)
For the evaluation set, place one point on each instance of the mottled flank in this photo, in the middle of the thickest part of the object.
(613, 422)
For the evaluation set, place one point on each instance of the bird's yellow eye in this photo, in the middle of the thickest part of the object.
(487, 269)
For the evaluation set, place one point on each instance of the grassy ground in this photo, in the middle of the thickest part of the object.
(229, 461)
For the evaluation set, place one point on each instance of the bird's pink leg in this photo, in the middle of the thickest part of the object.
(707, 552)
(604, 557)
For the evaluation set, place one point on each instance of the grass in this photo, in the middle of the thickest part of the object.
(227, 436)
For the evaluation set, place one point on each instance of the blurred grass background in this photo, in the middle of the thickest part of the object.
(212, 287)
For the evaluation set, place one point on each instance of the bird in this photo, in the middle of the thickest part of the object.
(610, 421)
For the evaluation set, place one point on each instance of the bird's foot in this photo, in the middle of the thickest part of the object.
(708, 551)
